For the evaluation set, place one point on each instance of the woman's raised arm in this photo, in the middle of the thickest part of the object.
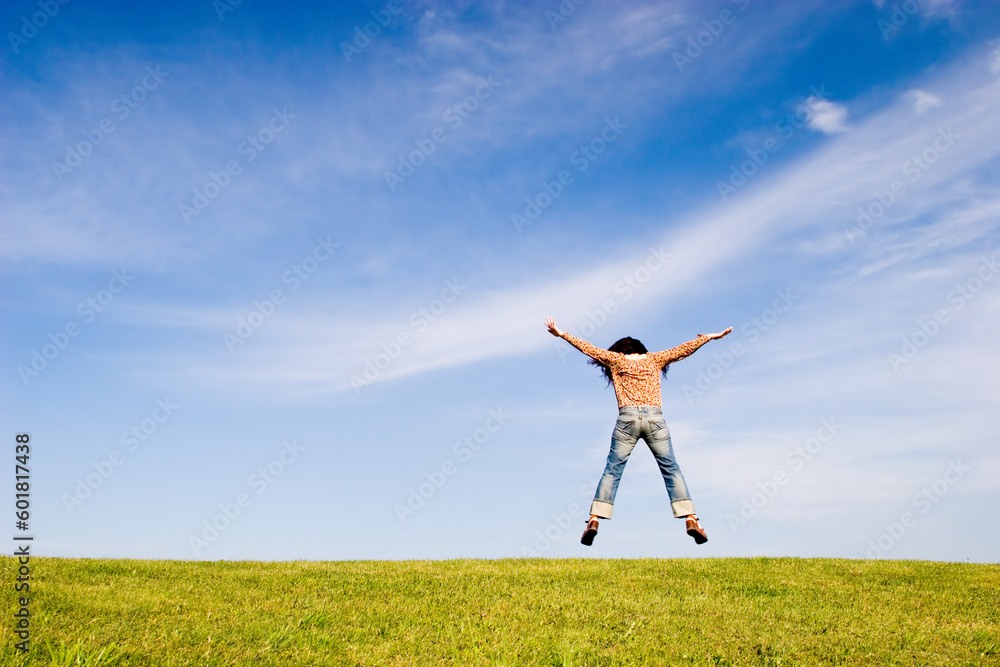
(720, 334)
(591, 351)
(553, 329)
(687, 349)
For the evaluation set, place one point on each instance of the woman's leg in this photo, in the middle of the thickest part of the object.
(622, 442)
(658, 439)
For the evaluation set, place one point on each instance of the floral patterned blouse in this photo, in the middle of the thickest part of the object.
(636, 378)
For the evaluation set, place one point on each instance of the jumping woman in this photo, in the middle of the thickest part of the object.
(635, 373)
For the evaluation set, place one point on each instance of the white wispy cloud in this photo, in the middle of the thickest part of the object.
(824, 188)
(826, 116)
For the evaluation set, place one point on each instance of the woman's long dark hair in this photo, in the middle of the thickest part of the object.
(625, 345)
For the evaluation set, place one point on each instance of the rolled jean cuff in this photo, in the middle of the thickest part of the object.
(601, 508)
(682, 507)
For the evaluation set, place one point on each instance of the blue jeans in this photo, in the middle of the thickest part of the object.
(646, 422)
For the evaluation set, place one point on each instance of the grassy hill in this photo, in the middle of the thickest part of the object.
(761, 611)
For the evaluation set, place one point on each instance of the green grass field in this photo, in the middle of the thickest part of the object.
(762, 611)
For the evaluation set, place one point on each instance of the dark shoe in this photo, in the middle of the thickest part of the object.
(590, 533)
(696, 531)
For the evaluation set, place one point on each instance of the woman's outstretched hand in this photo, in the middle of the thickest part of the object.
(720, 334)
(553, 329)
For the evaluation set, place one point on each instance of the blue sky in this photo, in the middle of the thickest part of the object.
(275, 288)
